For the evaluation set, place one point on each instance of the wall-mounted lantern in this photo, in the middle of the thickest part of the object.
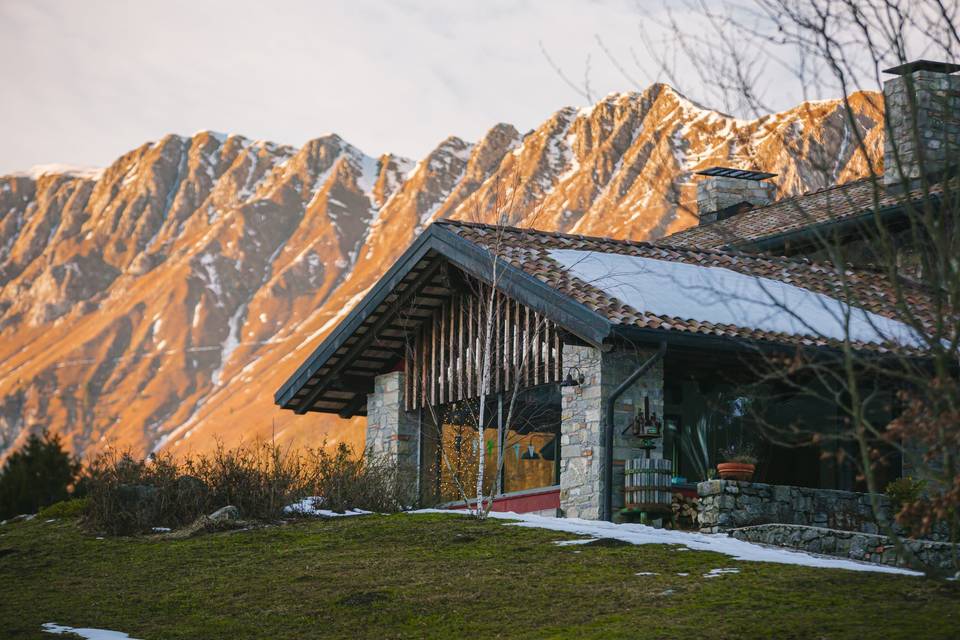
(570, 381)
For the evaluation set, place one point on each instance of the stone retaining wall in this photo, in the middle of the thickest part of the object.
(729, 504)
(848, 544)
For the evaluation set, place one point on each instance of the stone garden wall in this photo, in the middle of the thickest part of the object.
(729, 504)
(849, 544)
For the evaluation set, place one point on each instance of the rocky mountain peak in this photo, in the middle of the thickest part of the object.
(158, 303)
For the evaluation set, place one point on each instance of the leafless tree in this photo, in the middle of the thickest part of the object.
(836, 48)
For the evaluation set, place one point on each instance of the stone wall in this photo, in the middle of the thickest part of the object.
(717, 192)
(867, 547)
(391, 431)
(583, 414)
(729, 504)
(934, 146)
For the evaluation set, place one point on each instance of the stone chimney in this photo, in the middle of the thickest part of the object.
(726, 192)
(922, 137)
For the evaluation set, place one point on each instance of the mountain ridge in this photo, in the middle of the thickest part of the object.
(160, 304)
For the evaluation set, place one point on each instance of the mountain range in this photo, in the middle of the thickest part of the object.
(160, 302)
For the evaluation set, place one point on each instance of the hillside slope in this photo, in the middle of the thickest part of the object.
(161, 302)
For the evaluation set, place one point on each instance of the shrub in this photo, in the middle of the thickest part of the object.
(741, 452)
(259, 480)
(37, 475)
(904, 494)
(128, 496)
(348, 481)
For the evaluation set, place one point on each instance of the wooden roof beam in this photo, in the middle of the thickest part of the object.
(360, 345)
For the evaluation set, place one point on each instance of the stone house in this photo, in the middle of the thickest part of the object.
(591, 336)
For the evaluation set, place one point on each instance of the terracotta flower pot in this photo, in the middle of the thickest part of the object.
(736, 471)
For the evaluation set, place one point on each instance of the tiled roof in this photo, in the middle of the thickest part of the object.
(529, 251)
(834, 204)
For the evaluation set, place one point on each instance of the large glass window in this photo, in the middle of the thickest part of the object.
(531, 459)
(702, 417)
(531, 451)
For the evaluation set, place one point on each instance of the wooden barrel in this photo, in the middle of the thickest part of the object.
(648, 484)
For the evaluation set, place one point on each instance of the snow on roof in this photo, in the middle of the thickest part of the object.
(722, 296)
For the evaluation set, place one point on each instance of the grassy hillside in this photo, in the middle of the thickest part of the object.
(437, 576)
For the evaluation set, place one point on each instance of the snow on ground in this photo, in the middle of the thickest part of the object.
(722, 296)
(308, 507)
(718, 543)
(716, 573)
(88, 634)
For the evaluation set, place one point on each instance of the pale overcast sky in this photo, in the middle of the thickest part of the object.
(86, 81)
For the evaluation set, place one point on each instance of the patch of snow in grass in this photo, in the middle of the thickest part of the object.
(646, 573)
(566, 543)
(718, 543)
(308, 507)
(683, 575)
(87, 634)
(716, 573)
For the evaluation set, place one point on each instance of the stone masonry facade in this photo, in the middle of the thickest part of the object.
(582, 419)
(391, 431)
(928, 142)
(717, 192)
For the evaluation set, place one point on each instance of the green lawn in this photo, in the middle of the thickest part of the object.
(437, 576)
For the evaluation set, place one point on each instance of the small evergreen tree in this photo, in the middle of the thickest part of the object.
(37, 475)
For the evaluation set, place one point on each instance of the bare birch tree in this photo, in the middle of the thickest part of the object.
(493, 359)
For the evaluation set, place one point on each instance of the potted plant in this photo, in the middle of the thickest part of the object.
(739, 462)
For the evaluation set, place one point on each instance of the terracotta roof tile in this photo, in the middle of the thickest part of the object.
(529, 251)
(833, 204)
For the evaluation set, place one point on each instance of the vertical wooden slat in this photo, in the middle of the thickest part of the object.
(526, 346)
(536, 348)
(547, 352)
(443, 353)
(463, 356)
(517, 337)
(407, 370)
(478, 343)
(471, 355)
(497, 332)
(558, 353)
(423, 364)
(506, 344)
(451, 369)
(434, 335)
(417, 348)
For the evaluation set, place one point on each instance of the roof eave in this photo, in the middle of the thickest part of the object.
(475, 260)
(812, 233)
